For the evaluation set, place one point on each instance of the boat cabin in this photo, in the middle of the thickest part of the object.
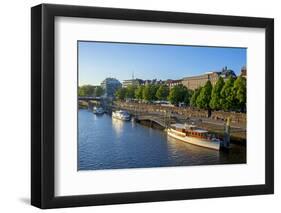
(190, 130)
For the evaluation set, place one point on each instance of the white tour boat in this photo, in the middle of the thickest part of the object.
(122, 115)
(193, 135)
(98, 110)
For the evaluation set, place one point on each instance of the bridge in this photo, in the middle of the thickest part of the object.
(89, 102)
(89, 98)
(162, 121)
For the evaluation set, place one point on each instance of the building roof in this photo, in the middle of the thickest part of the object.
(223, 73)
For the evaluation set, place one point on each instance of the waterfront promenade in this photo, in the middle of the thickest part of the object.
(160, 116)
(165, 115)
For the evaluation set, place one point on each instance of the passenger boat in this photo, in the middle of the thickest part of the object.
(193, 135)
(98, 110)
(121, 115)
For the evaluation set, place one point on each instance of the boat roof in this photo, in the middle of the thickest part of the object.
(183, 126)
(186, 126)
(179, 126)
(121, 111)
(200, 130)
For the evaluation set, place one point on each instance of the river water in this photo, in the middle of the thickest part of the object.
(108, 143)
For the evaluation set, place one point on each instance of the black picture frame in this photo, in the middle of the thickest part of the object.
(43, 111)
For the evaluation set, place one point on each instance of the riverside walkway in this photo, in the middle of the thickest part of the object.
(164, 116)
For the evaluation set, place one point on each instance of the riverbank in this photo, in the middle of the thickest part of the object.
(214, 124)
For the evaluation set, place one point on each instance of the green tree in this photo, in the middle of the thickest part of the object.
(147, 92)
(178, 94)
(188, 96)
(194, 96)
(216, 98)
(121, 93)
(228, 95)
(138, 92)
(204, 98)
(130, 92)
(99, 91)
(86, 90)
(240, 92)
(162, 92)
(154, 88)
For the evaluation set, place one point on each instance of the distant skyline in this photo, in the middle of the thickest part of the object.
(99, 60)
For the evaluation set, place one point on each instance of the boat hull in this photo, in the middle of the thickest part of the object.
(123, 118)
(195, 141)
(98, 111)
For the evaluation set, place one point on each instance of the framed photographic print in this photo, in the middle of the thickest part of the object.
(139, 106)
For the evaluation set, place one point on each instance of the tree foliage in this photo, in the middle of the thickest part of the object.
(120, 93)
(204, 98)
(178, 94)
(86, 90)
(98, 91)
(130, 91)
(154, 88)
(138, 92)
(240, 92)
(228, 99)
(194, 97)
(162, 92)
(147, 92)
(188, 96)
(216, 98)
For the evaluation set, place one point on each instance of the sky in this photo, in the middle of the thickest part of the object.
(99, 60)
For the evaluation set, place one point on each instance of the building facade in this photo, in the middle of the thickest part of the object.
(195, 82)
(110, 85)
(171, 83)
(133, 82)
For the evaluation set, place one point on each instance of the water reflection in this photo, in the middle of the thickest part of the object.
(118, 126)
(175, 144)
(192, 154)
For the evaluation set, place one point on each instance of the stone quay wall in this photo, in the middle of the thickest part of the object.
(186, 112)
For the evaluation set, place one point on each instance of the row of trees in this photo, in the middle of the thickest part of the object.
(224, 95)
(90, 90)
(153, 92)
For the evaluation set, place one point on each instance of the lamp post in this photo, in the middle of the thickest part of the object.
(226, 139)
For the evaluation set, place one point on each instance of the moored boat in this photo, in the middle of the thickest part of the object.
(121, 115)
(193, 135)
(98, 110)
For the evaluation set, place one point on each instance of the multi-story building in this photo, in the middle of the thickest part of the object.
(134, 82)
(110, 85)
(171, 83)
(153, 81)
(195, 82)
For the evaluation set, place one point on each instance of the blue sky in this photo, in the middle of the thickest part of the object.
(98, 60)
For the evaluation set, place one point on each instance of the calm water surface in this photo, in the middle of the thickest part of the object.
(108, 143)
